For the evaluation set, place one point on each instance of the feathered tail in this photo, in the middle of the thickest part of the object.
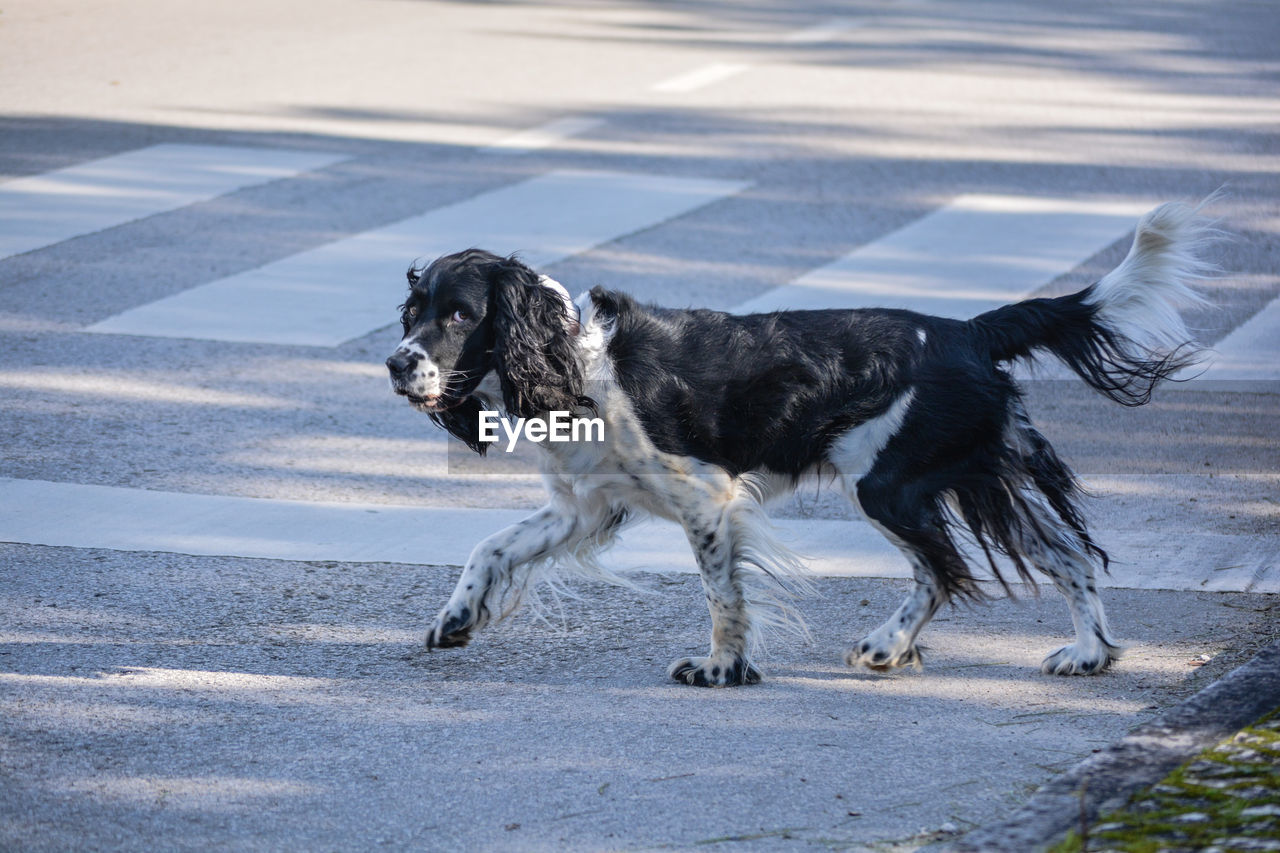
(1124, 334)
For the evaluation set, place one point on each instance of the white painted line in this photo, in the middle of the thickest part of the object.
(55, 206)
(545, 136)
(209, 525)
(1250, 352)
(976, 253)
(700, 78)
(818, 33)
(348, 288)
(85, 516)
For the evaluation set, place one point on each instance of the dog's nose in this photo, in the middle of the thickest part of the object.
(401, 363)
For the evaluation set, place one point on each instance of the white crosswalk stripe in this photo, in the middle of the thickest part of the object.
(974, 254)
(45, 209)
(38, 513)
(345, 289)
(1251, 352)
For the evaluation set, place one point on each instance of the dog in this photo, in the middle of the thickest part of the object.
(707, 416)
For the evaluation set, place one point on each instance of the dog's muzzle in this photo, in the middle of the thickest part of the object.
(413, 379)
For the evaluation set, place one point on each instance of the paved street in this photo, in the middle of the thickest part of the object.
(222, 537)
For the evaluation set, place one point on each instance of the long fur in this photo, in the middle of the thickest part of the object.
(533, 356)
(917, 418)
(1124, 334)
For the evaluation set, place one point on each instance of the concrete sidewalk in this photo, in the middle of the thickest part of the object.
(162, 701)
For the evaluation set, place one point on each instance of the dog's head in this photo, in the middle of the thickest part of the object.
(473, 313)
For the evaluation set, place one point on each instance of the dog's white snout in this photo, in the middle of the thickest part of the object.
(413, 372)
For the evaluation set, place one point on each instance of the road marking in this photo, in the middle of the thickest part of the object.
(825, 31)
(346, 289)
(85, 516)
(976, 253)
(45, 209)
(544, 136)
(700, 78)
(1250, 352)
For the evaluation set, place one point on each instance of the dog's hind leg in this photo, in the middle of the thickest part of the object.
(1094, 648)
(1061, 554)
(893, 644)
(493, 572)
(906, 512)
(1053, 537)
(908, 515)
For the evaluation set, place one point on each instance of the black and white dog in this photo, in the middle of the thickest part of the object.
(708, 415)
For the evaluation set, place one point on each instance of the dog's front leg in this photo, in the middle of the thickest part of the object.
(727, 664)
(493, 573)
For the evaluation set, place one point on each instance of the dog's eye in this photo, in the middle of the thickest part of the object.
(460, 316)
(411, 312)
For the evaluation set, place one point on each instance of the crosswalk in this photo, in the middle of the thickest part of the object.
(969, 255)
(973, 254)
(1251, 353)
(342, 290)
(45, 209)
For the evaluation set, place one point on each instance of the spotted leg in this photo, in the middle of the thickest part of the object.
(1094, 649)
(727, 664)
(1060, 555)
(493, 574)
(893, 644)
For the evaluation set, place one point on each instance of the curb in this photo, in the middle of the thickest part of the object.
(1104, 781)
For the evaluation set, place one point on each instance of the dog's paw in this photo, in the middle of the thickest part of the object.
(714, 672)
(879, 658)
(1073, 660)
(452, 629)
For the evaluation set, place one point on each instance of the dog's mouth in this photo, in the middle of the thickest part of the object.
(429, 403)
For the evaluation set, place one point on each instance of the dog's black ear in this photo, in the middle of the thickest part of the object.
(533, 350)
(463, 422)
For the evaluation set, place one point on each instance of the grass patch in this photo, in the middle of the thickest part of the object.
(1224, 798)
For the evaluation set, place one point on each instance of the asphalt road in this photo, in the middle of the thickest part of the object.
(152, 699)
